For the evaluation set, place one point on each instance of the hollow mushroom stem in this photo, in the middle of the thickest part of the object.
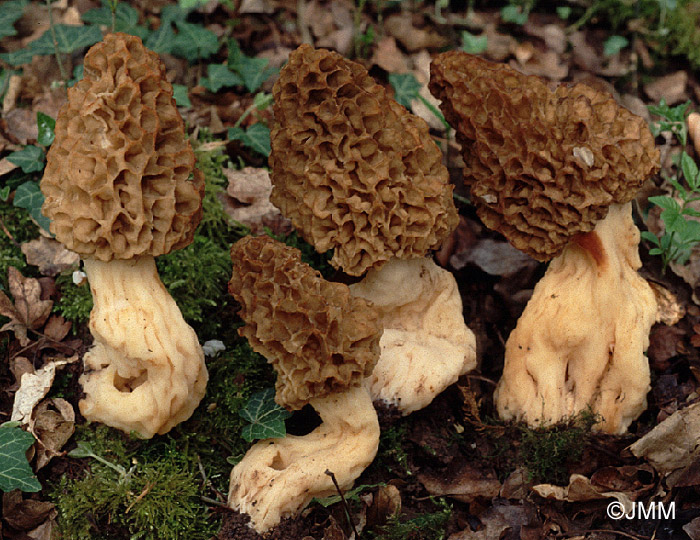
(278, 477)
(580, 341)
(146, 371)
(426, 345)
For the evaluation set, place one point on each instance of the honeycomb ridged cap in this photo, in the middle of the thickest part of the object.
(542, 165)
(120, 179)
(351, 168)
(319, 338)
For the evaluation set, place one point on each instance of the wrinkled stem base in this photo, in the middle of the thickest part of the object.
(426, 345)
(580, 341)
(145, 371)
(277, 478)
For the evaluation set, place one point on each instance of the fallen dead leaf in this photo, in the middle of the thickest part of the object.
(663, 344)
(674, 443)
(672, 88)
(692, 529)
(465, 484)
(498, 46)
(580, 489)
(19, 365)
(49, 255)
(57, 328)
(421, 70)
(6, 166)
(493, 257)
(52, 423)
(34, 387)
(14, 85)
(413, 39)
(29, 310)
(546, 64)
(25, 514)
(385, 504)
(502, 520)
(21, 125)
(388, 56)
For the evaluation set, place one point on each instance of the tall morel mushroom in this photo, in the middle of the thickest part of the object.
(121, 188)
(356, 173)
(322, 342)
(554, 171)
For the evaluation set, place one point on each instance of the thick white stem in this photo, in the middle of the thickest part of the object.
(580, 341)
(145, 371)
(426, 345)
(277, 478)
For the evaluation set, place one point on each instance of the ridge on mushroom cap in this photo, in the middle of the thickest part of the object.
(319, 338)
(543, 165)
(351, 168)
(118, 180)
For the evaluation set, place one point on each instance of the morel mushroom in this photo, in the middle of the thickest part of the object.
(554, 171)
(356, 173)
(121, 188)
(322, 342)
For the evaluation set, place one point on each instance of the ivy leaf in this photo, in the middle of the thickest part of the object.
(30, 158)
(69, 38)
(219, 76)
(77, 75)
(18, 57)
(15, 472)
(30, 197)
(194, 42)
(614, 44)
(474, 44)
(265, 416)
(126, 19)
(162, 41)
(514, 14)
(10, 13)
(46, 126)
(406, 88)
(180, 95)
(253, 70)
(256, 137)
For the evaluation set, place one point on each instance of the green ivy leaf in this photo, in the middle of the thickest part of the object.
(256, 137)
(30, 197)
(30, 158)
(219, 76)
(182, 99)
(564, 12)
(162, 41)
(265, 416)
(254, 71)
(69, 38)
(474, 44)
(77, 75)
(126, 18)
(406, 88)
(193, 42)
(10, 13)
(5, 193)
(514, 14)
(46, 126)
(15, 472)
(614, 44)
(18, 57)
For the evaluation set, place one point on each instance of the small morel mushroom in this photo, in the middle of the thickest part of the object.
(356, 173)
(322, 342)
(554, 171)
(121, 188)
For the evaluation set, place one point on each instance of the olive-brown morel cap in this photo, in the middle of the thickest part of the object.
(120, 179)
(543, 165)
(352, 169)
(319, 338)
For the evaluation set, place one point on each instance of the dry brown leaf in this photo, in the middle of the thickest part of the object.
(672, 444)
(502, 518)
(29, 310)
(498, 46)
(580, 489)
(52, 423)
(465, 484)
(21, 124)
(670, 310)
(388, 56)
(401, 26)
(493, 257)
(543, 64)
(19, 365)
(57, 328)
(49, 255)
(672, 88)
(692, 529)
(6, 166)
(25, 514)
(663, 345)
(14, 85)
(248, 200)
(385, 504)
(584, 54)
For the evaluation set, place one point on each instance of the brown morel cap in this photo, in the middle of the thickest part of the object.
(351, 168)
(120, 179)
(319, 338)
(543, 165)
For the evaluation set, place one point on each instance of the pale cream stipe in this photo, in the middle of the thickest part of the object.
(277, 478)
(145, 371)
(426, 345)
(581, 339)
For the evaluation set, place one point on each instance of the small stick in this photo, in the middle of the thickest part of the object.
(345, 503)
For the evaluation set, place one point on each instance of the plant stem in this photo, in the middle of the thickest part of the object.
(64, 76)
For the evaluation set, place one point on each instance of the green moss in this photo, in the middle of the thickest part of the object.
(391, 453)
(75, 302)
(22, 229)
(429, 526)
(547, 452)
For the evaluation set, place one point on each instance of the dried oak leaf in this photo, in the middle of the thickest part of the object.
(29, 310)
(52, 423)
(466, 484)
(25, 514)
(49, 255)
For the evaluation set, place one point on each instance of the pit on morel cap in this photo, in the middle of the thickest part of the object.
(120, 188)
(319, 338)
(120, 179)
(323, 343)
(351, 168)
(543, 165)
